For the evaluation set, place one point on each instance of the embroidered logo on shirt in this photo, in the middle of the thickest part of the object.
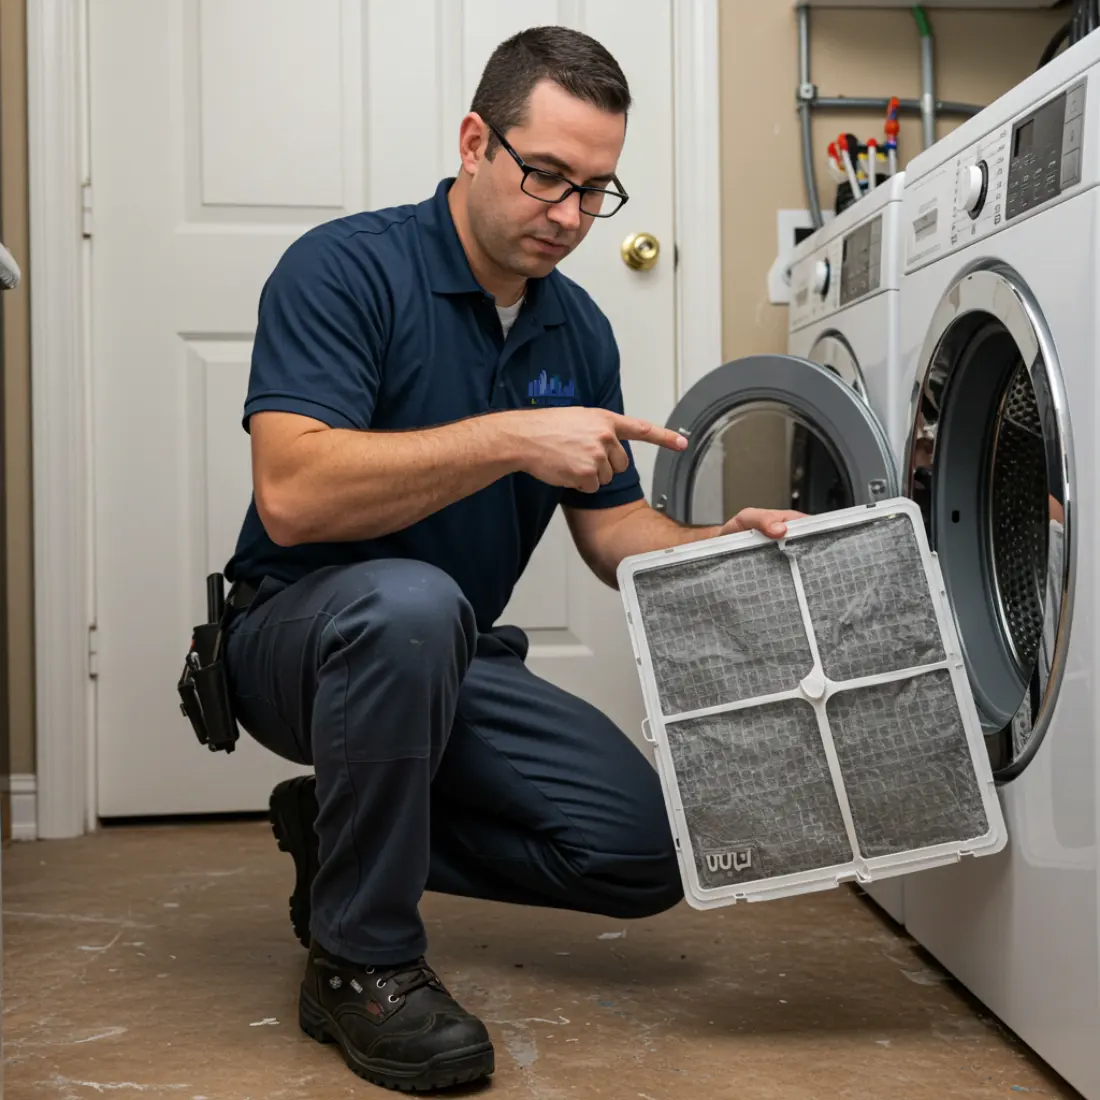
(550, 390)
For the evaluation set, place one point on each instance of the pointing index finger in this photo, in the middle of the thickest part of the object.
(627, 427)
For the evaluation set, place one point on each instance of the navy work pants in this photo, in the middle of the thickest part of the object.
(442, 762)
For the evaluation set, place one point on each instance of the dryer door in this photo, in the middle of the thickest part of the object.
(773, 431)
(990, 462)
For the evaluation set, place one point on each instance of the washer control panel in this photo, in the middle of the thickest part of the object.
(1022, 165)
(841, 272)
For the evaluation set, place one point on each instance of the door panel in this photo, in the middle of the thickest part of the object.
(222, 130)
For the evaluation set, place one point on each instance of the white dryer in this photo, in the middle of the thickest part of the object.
(1000, 348)
(999, 331)
(845, 315)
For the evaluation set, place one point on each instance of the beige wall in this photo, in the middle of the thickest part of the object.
(856, 53)
(17, 425)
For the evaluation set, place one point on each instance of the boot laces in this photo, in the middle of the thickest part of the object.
(406, 979)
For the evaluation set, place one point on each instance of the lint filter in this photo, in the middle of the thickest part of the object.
(809, 708)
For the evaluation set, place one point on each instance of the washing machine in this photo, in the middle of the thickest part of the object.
(844, 314)
(1000, 350)
(999, 336)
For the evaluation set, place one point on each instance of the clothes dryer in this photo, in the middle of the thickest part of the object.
(999, 350)
(1000, 342)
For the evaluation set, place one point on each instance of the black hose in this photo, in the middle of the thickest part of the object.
(1055, 43)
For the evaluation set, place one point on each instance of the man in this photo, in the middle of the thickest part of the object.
(402, 480)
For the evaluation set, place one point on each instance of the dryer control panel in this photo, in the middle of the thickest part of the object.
(838, 274)
(861, 262)
(1022, 165)
(1045, 152)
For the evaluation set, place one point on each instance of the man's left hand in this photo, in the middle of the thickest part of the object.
(773, 522)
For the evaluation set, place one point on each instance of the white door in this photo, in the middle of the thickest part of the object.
(221, 130)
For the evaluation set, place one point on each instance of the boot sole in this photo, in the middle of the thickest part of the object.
(457, 1067)
(290, 838)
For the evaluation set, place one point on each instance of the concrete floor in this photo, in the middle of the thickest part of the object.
(158, 962)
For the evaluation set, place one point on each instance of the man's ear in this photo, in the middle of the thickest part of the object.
(473, 140)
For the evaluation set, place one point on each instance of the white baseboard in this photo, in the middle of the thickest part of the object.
(24, 807)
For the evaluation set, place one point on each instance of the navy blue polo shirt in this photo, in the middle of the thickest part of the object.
(375, 321)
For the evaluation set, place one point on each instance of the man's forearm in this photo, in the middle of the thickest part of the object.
(640, 532)
(346, 485)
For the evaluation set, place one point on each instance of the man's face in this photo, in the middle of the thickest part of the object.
(520, 234)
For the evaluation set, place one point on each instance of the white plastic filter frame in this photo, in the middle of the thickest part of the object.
(816, 690)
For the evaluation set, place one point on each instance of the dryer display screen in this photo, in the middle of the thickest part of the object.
(861, 266)
(1024, 141)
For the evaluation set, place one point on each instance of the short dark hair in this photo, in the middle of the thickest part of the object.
(572, 60)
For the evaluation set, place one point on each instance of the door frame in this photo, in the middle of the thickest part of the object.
(60, 196)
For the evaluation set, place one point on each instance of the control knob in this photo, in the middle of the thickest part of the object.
(974, 187)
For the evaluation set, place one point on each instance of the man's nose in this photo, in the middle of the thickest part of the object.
(567, 213)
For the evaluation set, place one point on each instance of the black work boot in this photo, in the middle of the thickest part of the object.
(396, 1025)
(293, 807)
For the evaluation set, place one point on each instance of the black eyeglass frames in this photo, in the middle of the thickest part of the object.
(597, 202)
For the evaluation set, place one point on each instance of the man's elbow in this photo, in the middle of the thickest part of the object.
(604, 569)
(280, 515)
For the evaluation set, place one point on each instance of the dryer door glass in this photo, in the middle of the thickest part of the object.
(772, 431)
(990, 463)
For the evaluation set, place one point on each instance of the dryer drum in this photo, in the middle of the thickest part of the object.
(1020, 515)
(988, 464)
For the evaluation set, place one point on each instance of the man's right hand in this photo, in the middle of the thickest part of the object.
(579, 448)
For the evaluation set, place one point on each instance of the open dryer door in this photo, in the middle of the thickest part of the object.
(773, 431)
(990, 462)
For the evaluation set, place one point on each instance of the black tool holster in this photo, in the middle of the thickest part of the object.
(204, 685)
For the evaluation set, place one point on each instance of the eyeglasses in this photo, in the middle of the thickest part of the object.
(596, 202)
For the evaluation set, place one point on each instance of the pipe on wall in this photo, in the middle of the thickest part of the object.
(807, 95)
(928, 77)
(865, 103)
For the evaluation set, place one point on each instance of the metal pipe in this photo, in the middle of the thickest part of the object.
(928, 77)
(812, 198)
(862, 103)
(804, 45)
(928, 99)
(806, 100)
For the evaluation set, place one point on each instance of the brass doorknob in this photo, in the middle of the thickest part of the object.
(640, 251)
